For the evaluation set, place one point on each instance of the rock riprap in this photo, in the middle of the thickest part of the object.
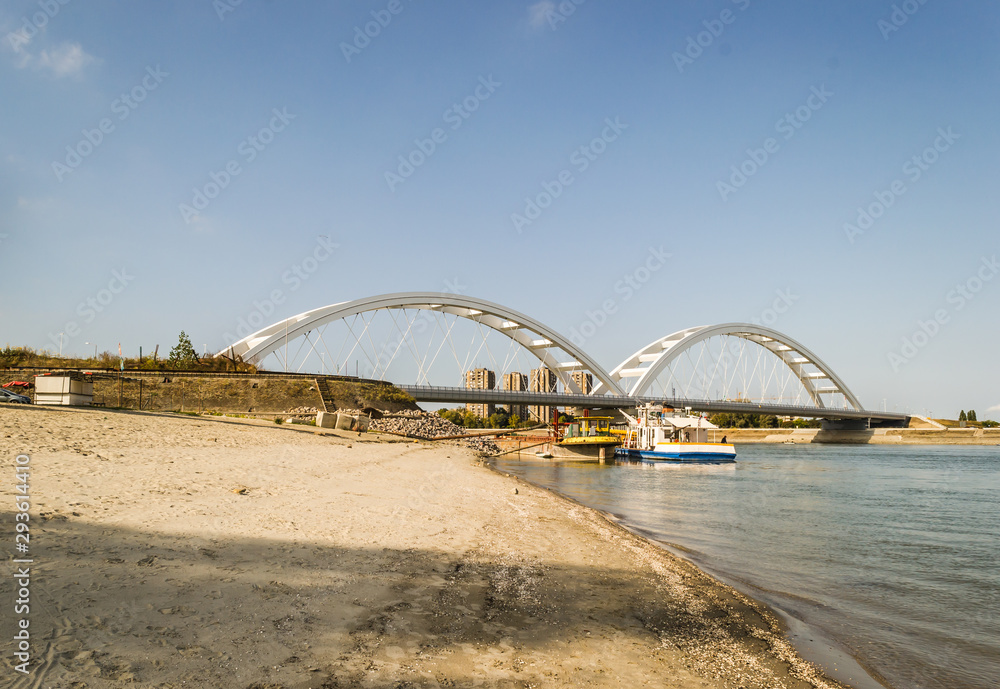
(420, 424)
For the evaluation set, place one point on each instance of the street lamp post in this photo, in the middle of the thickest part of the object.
(95, 349)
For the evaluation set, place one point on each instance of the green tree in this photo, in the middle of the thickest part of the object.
(962, 416)
(456, 416)
(183, 354)
(513, 421)
(498, 419)
(972, 415)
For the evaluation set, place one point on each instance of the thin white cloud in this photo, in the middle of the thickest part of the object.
(65, 60)
(995, 407)
(539, 13)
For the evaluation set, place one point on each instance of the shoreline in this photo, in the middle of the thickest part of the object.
(878, 436)
(175, 549)
(835, 661)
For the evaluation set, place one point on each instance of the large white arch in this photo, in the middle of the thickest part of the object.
(646, 364)
(535, 337)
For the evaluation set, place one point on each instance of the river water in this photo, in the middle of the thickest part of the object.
(892, 552)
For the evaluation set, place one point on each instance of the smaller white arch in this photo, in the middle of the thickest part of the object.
(646, 364)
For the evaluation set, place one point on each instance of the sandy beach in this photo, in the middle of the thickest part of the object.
(179, 551)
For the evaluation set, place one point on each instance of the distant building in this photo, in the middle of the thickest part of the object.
(480, 379)
(584, 381)
(517, 382)
(542, 379)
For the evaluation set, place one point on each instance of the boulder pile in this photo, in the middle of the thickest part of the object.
(483, 446)
(420, 424)
(417, 424)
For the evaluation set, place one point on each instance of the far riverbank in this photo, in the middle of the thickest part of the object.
(879, 436)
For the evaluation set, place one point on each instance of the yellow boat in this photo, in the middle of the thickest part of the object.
(589, 437)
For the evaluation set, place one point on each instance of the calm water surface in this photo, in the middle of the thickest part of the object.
(891, 551)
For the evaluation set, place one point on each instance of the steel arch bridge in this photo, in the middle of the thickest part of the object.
(730, 356)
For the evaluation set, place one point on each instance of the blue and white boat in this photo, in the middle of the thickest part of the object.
(660, 436)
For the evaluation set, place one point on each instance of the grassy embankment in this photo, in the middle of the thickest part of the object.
(163, 388)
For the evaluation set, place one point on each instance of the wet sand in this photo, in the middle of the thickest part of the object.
(176, 551)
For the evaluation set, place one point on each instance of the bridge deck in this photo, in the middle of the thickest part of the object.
(425, 393)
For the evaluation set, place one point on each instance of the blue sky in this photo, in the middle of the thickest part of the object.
(312, 128)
